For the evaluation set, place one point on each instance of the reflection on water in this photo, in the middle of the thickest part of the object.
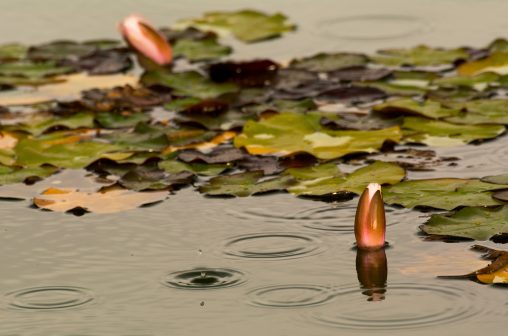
(372, 272)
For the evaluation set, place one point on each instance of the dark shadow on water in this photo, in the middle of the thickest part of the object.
(372, 272)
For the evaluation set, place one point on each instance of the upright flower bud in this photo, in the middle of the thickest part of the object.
(146, 40)
(370, 222)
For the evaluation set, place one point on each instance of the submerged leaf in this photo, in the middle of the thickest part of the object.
(289, 133)
(246, 25)
(442, 193)
(107, 200)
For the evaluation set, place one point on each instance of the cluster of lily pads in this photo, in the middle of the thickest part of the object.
(241, 128)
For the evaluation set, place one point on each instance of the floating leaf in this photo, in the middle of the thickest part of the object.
(478, 82)
(107, 200)
(120, 120)
(441, 133)
(482, 111)
(288, 133)
(200, 50)
(175, 167)
(324, 62)
(59, 50)
(151, 178)
(246, 25)
(217, 155)
(72, 151)
(326, 178)
(12, 51)
(497, 62)
(442, 193)
(420, 56)
(30, 70)
(244, 184)
(188, 83)
(359, 73)
(257, 73)
(428, 108)
(351, 95)
(38, 124)
(10, 175)
(477, 223)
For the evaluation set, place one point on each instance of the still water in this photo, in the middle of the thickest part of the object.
(274, 265)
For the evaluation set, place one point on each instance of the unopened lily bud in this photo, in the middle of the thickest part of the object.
(370, 222)
(146, 40)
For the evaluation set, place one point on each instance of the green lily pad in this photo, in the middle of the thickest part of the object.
(120, 120)
(442, 193)
(143, 137)
(39, 124)
(288, 133)
(246, 25)
(496, 179)
(205, 169)
(12, 51)
(326, 179)
(324, 62)
(499, 44)
(497, 62)
(151, 178)
(395, 89)
(420, 56)
(428, 108)
(188, 83)
(31, 70)
(244, 184)
(200, 50)
(181, 104)
(478, 82)
(59, 50)
(482, 111)
(10, 175)
(477, 223)
(442, 133)
(60, 151)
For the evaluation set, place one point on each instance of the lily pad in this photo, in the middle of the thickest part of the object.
(107, 200)
(477, 223)
(420, 56)
(326, 179)
(10, 175)
(200, 50)
(482, 111)
(246, 25)
(12, 51)
(190, 83)
(244, 184)
(152, 178)
(120, 120)
(442, 133)
(442, 193)
(38, 124)
(478, 82)
(289, 133)
(205, 169)
(67, 151)
(428, 108)
(324, 62)
(497, 62)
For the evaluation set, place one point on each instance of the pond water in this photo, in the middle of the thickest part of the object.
(273, 264)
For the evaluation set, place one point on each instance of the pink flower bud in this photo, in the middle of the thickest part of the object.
(146, 40)
(370, 222)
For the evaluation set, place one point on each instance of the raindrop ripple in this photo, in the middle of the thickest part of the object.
(290, 296)
(204, 278)
(272, 245)
(400, 309)
(49, 298)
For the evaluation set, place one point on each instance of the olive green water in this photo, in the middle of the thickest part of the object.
(273, 265)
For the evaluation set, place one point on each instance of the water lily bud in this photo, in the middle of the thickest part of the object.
(146, 40)
(370, 222)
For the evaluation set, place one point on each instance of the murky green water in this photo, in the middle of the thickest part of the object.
(274, 265)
